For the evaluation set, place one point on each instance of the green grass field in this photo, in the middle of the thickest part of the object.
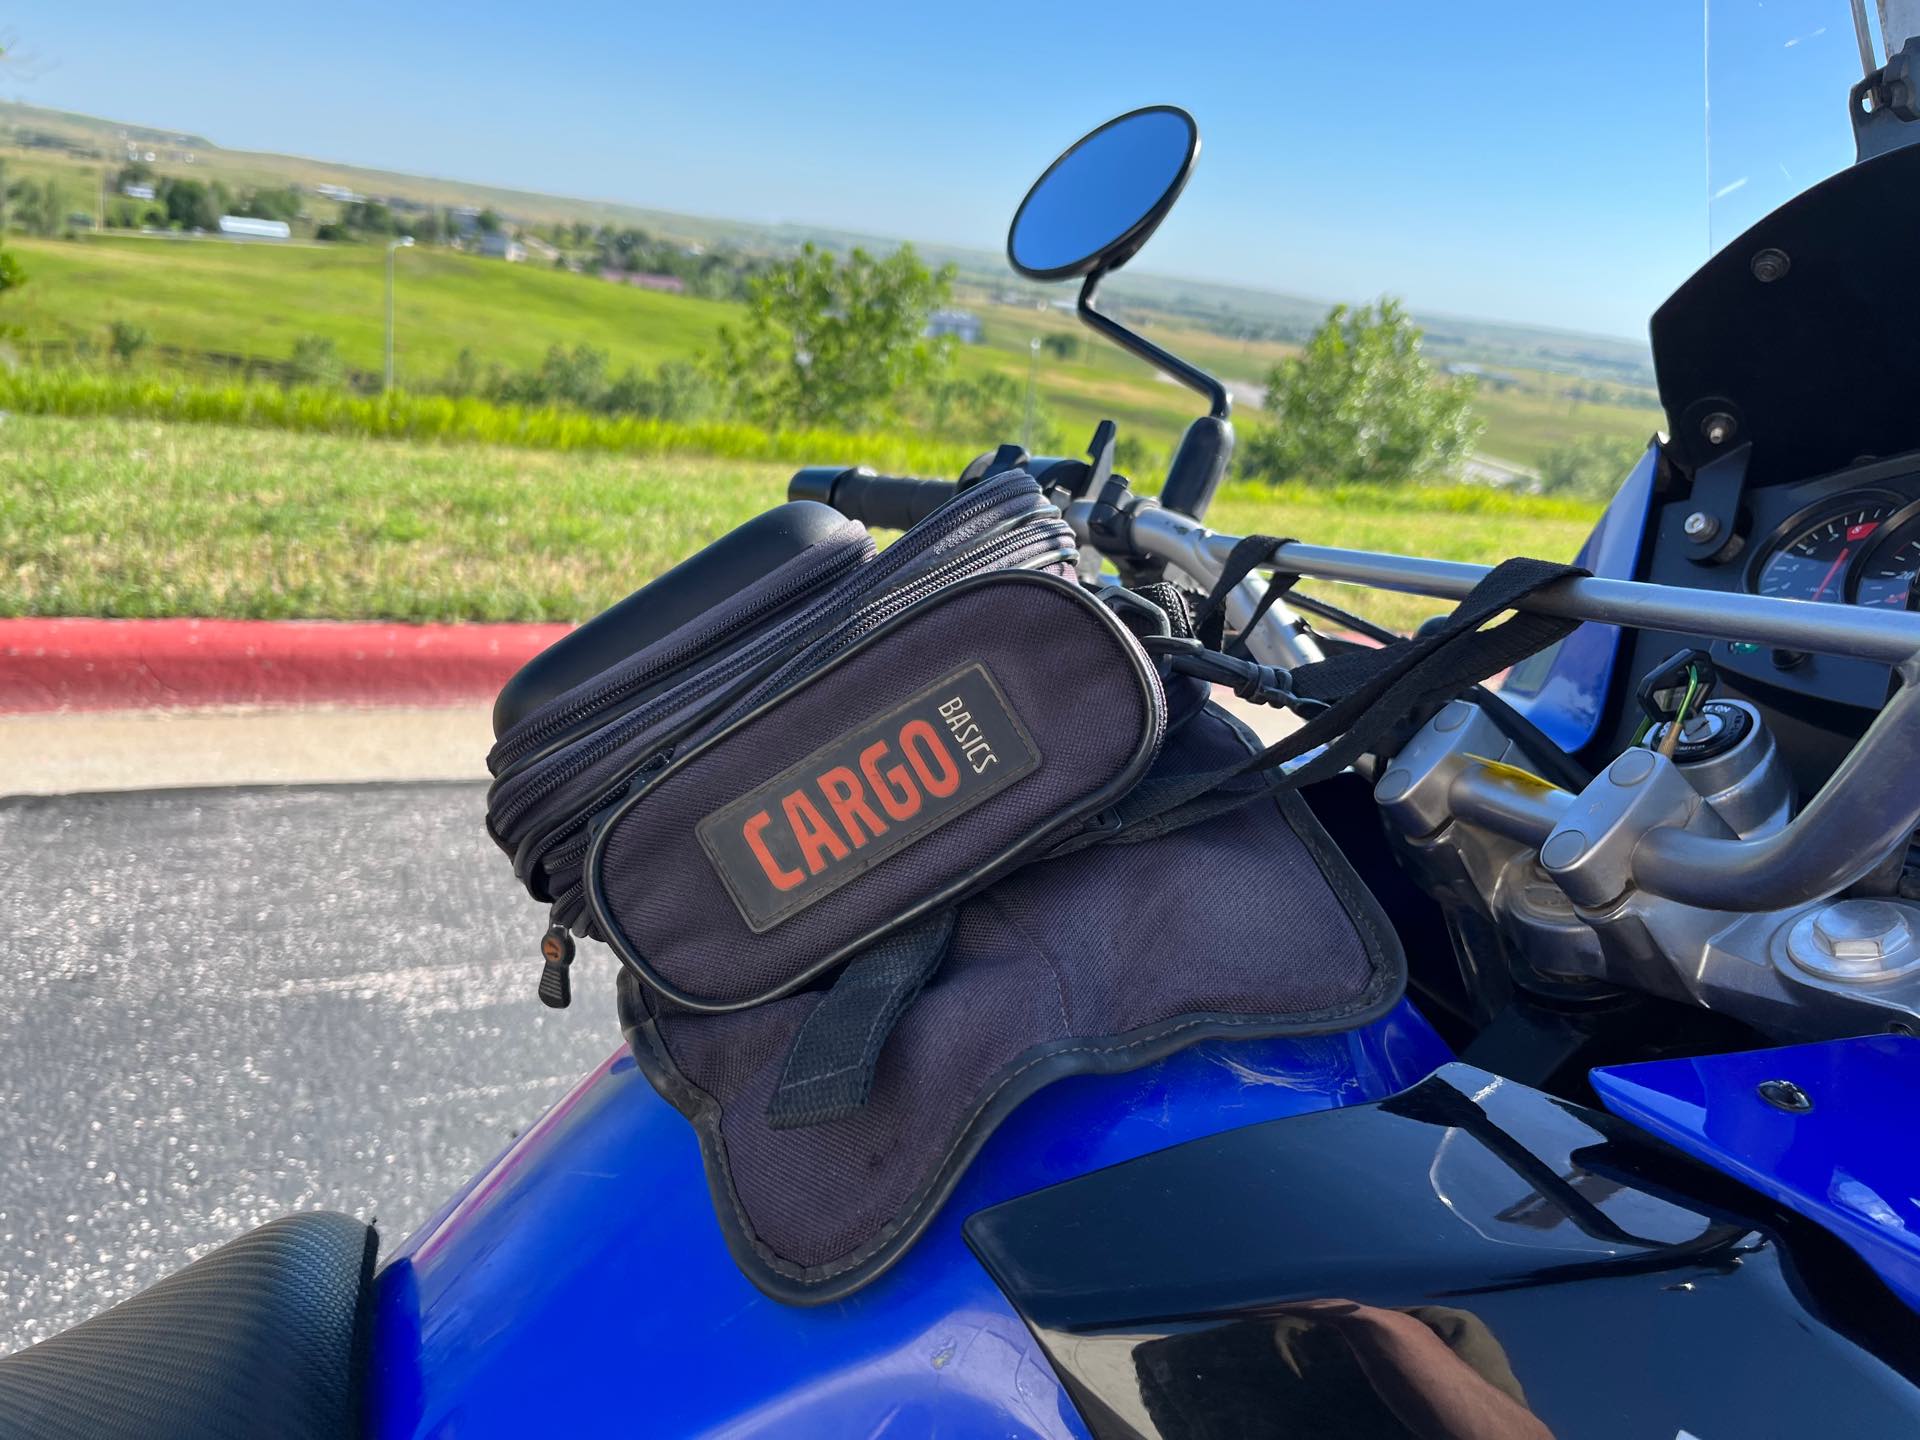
(258, 300)
(137, 518)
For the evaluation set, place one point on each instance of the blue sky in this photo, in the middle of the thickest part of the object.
(1539, 162)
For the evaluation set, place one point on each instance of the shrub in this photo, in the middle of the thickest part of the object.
(316, 361)
(125, 340)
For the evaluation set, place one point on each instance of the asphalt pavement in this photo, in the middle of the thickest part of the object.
(218, 1006)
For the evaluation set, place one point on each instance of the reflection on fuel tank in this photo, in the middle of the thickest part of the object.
(1334, 1369)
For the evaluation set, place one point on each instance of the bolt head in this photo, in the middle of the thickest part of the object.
(1855, 942)
(1785, 1095)
(1700, 526)
(1719, 427)
(1563, 849)
(1860, 930)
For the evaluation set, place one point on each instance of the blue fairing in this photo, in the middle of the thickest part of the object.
(1563, 689)
(1845, 1163)
(580, 1285)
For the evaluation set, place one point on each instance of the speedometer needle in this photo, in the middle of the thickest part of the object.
(1832, 570)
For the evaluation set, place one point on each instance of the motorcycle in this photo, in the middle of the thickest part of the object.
(1640, 1104)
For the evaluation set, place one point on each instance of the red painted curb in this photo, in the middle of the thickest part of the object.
(114, 664)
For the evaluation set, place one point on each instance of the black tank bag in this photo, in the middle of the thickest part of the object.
(867, 835)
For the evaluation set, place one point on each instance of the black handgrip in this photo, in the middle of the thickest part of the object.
(890, 502)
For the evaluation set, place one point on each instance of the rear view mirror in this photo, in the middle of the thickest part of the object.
(1097, 204)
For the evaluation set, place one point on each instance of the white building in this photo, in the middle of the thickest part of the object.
(498, 245)
(245, 227)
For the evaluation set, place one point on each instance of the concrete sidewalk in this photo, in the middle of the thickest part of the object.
(65, 754)
(165, 749)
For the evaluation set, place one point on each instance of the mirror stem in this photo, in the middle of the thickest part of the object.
(1220, 404)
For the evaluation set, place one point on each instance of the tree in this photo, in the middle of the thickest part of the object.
(1360, 403)
(370, 217)
(12, 275)
(1592, 466)
(829, 342)
(271, 204)
(190, 205)
(487, 222)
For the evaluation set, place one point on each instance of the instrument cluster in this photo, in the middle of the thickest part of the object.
(1861, 548)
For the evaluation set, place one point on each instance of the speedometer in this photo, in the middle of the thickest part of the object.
(1811, 563)
(1887, 574)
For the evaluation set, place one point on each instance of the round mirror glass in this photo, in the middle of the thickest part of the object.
(1098, 202)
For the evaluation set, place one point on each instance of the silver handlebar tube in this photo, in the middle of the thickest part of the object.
(1888, 637)
(1185, 545)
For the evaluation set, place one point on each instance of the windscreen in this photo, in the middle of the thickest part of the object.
(1775, 77)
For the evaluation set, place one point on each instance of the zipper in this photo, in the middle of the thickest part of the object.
(509, 752)
(992, 557)
(595, 748)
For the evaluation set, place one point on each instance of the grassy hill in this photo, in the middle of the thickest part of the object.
(75, 150)
(259, 299)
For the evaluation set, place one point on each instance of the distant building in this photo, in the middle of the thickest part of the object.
(498, 245)
(665, 284)
(137, 192)
(336, 192)
(245, 227)
(963, 325)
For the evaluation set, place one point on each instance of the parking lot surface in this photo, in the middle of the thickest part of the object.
(217, 1006)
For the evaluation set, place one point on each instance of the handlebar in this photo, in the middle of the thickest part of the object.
(892, 502)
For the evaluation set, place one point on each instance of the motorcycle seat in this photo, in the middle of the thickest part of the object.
(268, 1335)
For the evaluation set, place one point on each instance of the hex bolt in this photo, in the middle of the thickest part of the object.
(1785, 1095)
(1700, 526)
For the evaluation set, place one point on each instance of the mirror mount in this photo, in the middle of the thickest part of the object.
(1219, 402)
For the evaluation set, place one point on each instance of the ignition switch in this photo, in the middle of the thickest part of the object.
(1711, 730)
(1681, 722)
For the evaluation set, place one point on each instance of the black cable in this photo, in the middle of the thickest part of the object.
(1359, 624)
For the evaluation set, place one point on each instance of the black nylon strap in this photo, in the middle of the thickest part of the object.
(1370, 693)
(1248, 554)
(829, 1070)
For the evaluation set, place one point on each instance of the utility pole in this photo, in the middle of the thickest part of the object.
(403, 243)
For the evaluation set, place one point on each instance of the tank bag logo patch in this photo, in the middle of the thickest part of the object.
(865, 795)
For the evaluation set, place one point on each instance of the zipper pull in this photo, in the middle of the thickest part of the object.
(556, 984)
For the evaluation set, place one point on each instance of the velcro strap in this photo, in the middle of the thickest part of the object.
(829, 1070)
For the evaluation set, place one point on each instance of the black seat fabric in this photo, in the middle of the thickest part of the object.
(267, 1336)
